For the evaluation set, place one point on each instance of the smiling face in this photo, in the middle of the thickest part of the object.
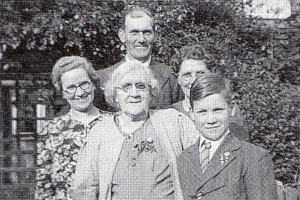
(189, 71)
(133, 93)
(83, 96)
(138, 36)
(211, 116)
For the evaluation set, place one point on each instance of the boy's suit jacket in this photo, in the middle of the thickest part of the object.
(247, 173)
(167, 82)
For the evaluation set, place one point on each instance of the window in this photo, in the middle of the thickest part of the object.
(22, 114)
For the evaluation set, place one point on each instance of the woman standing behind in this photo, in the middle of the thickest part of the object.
(63, 137)
(134, 157)
(193, 64)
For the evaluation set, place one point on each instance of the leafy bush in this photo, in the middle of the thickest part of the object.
(261, 60)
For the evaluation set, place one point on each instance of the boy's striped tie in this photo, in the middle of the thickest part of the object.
(204, 156)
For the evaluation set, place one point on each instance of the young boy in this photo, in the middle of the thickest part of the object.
(220, 166)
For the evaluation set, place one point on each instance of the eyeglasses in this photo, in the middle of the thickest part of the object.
(128, 86)
(188, 76)
(73, 88)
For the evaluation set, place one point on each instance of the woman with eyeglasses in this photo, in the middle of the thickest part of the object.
(193, 64)
(134, 157)
(62, 138)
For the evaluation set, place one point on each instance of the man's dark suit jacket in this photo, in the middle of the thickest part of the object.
(246, 174)
(167, 81)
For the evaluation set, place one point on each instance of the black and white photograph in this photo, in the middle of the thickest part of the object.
(149, 100)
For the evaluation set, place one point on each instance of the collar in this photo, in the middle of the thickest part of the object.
(186, 105)
(85, 118)
(145, 64)
(214, 144)
(129, 131)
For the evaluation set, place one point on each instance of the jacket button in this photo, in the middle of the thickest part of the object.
(199, 196)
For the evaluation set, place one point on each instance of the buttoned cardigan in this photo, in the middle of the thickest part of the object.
(97, 161)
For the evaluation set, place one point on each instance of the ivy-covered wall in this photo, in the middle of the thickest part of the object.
(261, 57)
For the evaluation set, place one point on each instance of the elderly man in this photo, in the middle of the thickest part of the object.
(138, 35)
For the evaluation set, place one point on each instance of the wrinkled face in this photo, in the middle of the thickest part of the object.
(211, 116)
(138, 37)
(133, 93)
(78, 89)
(189, 71)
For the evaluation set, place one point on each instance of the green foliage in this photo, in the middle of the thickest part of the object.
(260, 57)
(62, 28)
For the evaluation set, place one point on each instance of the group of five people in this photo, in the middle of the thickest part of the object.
(151, 146)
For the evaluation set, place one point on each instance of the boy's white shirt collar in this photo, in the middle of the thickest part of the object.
(145, 64)
(214, 144)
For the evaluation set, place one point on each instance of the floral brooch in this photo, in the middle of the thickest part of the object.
(146, 145)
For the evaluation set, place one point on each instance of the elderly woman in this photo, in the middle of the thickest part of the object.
(63, 137)
(193, 64)
(134, 156)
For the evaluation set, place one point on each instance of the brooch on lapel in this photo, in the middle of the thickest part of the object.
(224, 158)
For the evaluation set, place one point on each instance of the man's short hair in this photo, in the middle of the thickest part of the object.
(208, 84)
(136, 12)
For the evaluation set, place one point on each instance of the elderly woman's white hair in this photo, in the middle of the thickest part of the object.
(121, 71)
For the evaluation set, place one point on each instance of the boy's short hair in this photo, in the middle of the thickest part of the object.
(208, 84)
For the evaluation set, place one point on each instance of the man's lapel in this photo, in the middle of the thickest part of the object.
(106, 73)
(222, 158)
(159, 72)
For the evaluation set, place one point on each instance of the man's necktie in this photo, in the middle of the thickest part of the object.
(204, 156)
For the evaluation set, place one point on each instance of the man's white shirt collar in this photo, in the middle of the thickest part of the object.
(145, 64)
(214, 144)
(186, 105)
